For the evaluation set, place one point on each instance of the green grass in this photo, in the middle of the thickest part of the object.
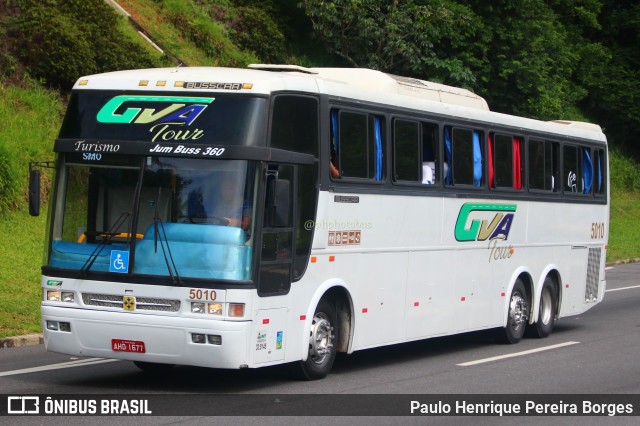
(185, 29)
(624, 227)
(31, 118)
(21, 254)
(128, 31)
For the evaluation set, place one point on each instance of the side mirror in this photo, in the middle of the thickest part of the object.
(34, 192)
(279, 203)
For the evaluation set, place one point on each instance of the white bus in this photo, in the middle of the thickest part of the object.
(240, 218)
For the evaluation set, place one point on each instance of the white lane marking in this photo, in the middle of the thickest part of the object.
(531, 351)
(622, 288)
(70, 364)
(608, 268)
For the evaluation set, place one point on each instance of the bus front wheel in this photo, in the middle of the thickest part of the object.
(322, 342)
(518, 313)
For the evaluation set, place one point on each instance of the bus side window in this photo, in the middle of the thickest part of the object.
(504, 157)
(406, 147)
(334, 161)
(463, 151)
(599, 172)
(587, 171)
(357, 145)
(430, 163)
(415, 148)
(572, 166)
(544, 168)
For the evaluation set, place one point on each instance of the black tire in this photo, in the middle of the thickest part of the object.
(322, 343)
(546, 311)
(153, 367)
(518, 314)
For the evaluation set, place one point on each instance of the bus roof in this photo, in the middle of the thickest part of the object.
(368, 79)
(348, 83)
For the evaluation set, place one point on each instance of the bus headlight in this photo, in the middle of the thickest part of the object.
(198, 307)
(68, 296)
(61, 296)
(59, 326)
(215, 308)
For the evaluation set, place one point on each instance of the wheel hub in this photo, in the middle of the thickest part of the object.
(518, 310)
(321, 338)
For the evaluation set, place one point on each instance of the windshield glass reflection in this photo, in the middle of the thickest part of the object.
(187, 218)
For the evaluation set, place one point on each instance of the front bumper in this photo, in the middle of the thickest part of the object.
(167, 340)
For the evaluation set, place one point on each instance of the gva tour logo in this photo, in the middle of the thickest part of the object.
(181, 111)
(487, 222)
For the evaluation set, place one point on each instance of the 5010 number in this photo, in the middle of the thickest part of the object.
(199, 294)
(597, 230)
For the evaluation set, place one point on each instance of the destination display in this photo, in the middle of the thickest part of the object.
(186, 119)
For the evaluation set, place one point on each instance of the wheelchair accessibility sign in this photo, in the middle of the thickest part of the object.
(119, 261)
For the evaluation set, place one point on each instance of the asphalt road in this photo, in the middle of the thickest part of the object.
(597, 352)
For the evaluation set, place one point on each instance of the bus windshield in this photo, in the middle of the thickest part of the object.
(159, 216)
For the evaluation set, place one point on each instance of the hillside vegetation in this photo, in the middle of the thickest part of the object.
(47, 45)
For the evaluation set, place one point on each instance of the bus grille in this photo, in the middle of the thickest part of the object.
(142, 303)
(593, 277)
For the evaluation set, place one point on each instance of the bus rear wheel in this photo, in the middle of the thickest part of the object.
(547, 311)
(322, 343)
(518, 313)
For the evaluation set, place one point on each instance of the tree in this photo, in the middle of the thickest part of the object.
(396, 36)
(530, 60)
(613, 79)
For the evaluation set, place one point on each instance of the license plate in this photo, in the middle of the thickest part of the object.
(118, 345)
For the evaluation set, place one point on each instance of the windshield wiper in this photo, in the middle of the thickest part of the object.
(168, 257)
(105, 240)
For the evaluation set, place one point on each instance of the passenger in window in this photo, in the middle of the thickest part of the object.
(572, 181)
(429, 161)
(333, 165)
(428, 172)
(230, 209)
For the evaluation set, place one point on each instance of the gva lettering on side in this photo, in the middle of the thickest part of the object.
(470, 226)
(182, 110)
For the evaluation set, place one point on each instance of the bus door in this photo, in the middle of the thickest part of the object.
(276, 260)
(276, 257)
